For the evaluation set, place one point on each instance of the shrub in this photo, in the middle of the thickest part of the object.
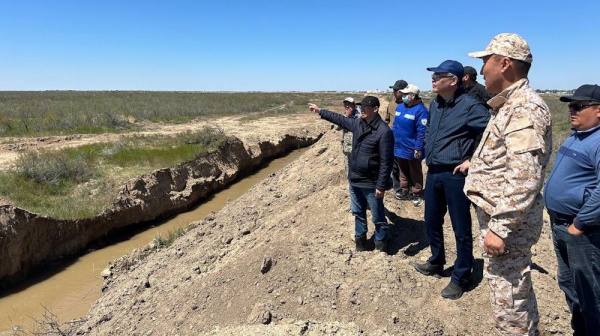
(53, 167)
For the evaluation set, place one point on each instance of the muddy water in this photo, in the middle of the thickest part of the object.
(69, 291)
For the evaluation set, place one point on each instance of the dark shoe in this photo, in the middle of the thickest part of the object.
(429, 269)
(417, 200)
(380, 246)
(402, 195)
(361, 243)
(453, 291)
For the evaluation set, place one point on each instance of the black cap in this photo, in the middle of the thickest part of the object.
(584, 92)
(369, 101)
(453, 67)
(399, 85)
(469, 70)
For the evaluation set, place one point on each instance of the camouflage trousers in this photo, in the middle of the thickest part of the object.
(509, 276)
(346, 157)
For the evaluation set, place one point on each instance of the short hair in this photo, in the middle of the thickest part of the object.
(460, 82)
(522, 67)
(473, 77)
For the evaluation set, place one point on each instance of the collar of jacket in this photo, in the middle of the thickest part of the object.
(375, 123)
(452, 100)
(500, 99)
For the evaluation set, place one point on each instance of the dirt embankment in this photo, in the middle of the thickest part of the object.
(280, 260)
(28, 240)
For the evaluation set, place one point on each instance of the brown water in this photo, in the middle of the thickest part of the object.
(69, 291)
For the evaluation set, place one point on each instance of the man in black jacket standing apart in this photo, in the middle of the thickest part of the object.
(456, 121)
(370, 164)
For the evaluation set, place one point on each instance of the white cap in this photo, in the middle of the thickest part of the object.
(349, 100)
(411, 88)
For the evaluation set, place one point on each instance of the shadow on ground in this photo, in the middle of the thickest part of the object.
(406, 234)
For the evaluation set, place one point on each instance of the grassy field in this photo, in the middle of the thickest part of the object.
(72, 112)
(81, 182)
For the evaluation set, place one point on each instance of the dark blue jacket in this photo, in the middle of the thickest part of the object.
(573, 187)
(454, 126)
(410, 126)
(370, 162)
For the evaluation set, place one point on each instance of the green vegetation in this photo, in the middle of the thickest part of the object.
(81, 182)
(561, 125)
(162, 242)
(71, 112)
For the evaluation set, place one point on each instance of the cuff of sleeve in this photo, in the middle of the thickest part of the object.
(578, 224)
(500, 229)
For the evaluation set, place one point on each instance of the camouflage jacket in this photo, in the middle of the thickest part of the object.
(507, 169)
(346, 141)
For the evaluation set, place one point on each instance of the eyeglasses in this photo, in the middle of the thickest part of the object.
(578, 107)
(436, 78)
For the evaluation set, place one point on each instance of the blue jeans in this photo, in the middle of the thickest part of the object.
(444, 192)
(579, 274)
(359, 199)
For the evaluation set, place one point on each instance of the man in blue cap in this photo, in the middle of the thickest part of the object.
(456, 121)
(572, 196)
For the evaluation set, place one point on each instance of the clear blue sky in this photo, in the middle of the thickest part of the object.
(281, 45)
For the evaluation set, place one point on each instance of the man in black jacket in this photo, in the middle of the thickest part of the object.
(473, 88)
(370, 165)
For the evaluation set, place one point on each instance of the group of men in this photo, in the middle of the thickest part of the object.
(489, 150)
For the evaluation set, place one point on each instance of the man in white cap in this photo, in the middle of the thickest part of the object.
(410, 127)
(505, 179)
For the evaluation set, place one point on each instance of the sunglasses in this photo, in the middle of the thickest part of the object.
(436, 78)
(578, 107)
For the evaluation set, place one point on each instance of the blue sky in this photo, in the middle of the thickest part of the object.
(281, 45)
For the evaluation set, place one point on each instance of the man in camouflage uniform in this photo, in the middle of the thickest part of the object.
(505, 179)
(350, 111)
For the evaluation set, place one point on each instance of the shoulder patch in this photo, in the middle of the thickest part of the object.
(424, 122)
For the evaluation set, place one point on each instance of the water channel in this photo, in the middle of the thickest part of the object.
(69, 290)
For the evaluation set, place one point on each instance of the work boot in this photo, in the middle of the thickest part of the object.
(381, 246)
(361, 243)
(429, 269)
(453, 291)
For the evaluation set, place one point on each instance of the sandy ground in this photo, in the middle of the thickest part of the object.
(280, 260)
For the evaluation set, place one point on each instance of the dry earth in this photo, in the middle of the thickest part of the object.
(280, 260)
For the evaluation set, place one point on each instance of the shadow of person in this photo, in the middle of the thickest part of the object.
(406, 234)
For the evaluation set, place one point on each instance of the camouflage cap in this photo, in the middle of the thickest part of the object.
(508, 45)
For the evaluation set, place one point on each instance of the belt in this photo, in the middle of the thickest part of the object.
(560, 219)
(440, 168)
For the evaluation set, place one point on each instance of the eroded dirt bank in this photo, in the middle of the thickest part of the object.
(28, 240)
(280, 260)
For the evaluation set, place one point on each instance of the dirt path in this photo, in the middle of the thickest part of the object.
(239, 126)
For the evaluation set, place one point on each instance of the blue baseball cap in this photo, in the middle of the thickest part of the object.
(453, 67)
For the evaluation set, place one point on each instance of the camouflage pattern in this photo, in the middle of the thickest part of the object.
(346, 146)
(508, 45)
(504, 182)
(509, 276)
(508, 166)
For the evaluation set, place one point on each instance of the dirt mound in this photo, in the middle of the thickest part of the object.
(284, 253)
